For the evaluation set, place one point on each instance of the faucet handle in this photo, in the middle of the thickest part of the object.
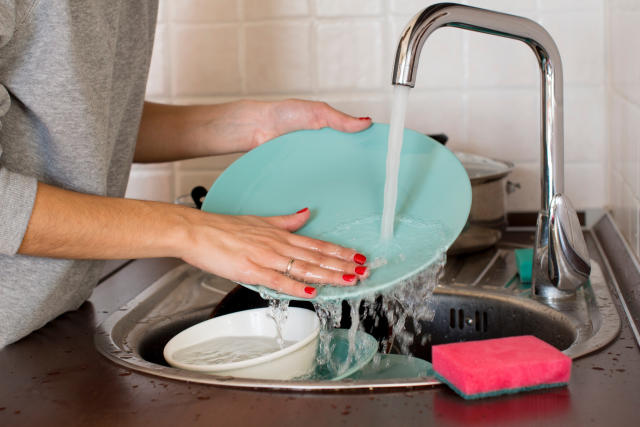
(569, 265)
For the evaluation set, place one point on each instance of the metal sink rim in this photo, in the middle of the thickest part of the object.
(126, 356)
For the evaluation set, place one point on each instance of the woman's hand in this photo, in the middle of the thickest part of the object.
(176, 132)
(296, 114)
(260, 250)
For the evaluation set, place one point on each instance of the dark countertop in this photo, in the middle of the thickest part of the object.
(56, 377)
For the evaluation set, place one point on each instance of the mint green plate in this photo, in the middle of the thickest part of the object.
(393, 366)
(340, 177)
(341, 363)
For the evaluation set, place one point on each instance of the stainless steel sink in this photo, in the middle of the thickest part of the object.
(479, 296)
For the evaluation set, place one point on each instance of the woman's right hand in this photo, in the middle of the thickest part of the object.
(248, 249)
(259, 251)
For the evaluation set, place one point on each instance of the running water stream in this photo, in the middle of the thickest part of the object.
(394, 148)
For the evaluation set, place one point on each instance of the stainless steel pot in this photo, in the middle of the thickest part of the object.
(489, 188)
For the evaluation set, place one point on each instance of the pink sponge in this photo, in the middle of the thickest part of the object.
(477, 369)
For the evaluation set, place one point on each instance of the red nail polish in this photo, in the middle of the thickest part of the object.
(361, 270)
(348, 277)
(359, 259)
(309, 290)
(302, 210)
(364, 118)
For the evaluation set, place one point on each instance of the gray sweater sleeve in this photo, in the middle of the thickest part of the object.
(17, 191)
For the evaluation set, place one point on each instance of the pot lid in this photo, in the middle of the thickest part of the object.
(480, 168)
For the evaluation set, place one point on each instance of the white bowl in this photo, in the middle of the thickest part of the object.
(302, 326)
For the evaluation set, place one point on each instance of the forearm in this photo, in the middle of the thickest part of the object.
(173, 132)
(67, 224)
(248, 249)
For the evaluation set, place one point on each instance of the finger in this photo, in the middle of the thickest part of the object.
(326, 262)
(341, 121)
(326, 248)
(281, 283)
(289, 222)
(313, 273)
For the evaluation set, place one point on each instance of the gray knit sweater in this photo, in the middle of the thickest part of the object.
(72, 81)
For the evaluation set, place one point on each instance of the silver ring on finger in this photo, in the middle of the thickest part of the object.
(287, 272)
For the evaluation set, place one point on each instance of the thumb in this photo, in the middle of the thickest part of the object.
(344, 122)
(290, 222)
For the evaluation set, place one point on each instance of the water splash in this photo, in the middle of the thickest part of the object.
(404, 308)
(278, 311)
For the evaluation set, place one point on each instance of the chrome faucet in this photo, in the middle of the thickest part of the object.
(561, 259)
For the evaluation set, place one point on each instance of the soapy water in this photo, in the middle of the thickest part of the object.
(230, 349)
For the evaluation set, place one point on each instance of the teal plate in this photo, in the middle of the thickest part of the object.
(340, 177)
(341, 363)
(394, 366)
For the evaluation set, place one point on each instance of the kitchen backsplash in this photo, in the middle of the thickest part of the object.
(623, 71)
(482, 91)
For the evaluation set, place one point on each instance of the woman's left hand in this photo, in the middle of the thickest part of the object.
(176, 132)
(295, 114)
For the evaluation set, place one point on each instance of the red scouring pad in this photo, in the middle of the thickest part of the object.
(498, 366)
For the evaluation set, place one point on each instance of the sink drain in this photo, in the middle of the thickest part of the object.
(458, 319)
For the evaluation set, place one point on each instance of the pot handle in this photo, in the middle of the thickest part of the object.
(198, 194)
(442, 138)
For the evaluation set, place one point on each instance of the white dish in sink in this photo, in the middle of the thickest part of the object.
(243, 344)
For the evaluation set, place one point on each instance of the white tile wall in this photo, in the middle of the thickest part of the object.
(525, 8)
(585, 143)
(260, 9)
(203, 11)
(277, 57)
(623, 43)
(151, 182)
(480, 90)
(349, 54)
(500, 63)
(505, 124)
(439, 112)
(580, 39)
(340, 8)
(158, 83)
(205, 60)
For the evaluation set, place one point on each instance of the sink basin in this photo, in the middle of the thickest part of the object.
(479, 296)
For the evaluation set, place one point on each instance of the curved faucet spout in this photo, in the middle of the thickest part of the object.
(552, 136)
(500, 24)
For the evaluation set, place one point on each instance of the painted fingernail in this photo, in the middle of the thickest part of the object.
(364, 118)
(302, 210)
(359, 259)
(309, 290)
(348, 277)
(361, 270)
